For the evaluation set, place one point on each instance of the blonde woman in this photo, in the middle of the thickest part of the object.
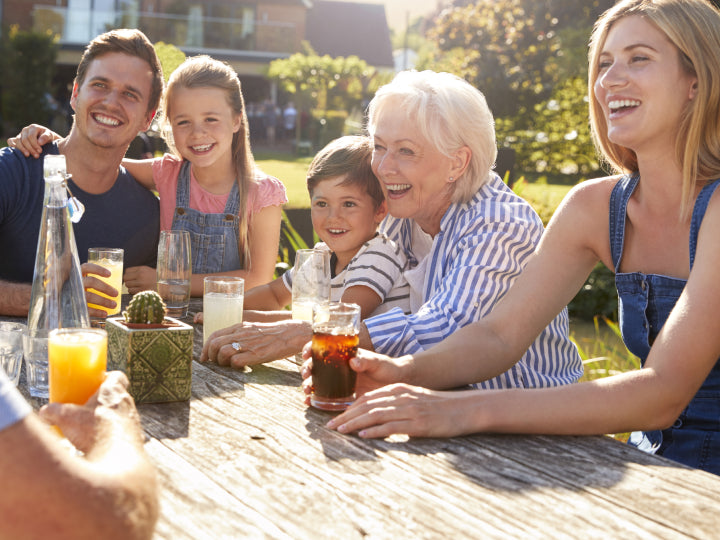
(654, 83)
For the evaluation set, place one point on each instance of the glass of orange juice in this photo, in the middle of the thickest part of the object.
(77, 359)
(112, 259)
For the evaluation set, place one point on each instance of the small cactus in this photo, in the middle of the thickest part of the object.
(146, 307)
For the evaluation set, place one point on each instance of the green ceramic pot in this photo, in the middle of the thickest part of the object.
(157, 361)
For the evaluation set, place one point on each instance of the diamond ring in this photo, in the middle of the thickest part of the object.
(235, 345)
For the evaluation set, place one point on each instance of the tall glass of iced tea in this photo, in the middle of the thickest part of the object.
(336, 326)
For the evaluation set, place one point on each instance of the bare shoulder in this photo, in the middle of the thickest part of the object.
(711, 219)
(594, 191)
(582, 219)
(590, 198)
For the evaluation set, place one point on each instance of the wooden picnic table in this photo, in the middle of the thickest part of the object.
(246, 458)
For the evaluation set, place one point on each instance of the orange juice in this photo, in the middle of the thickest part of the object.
(115, 281)
(77, 360)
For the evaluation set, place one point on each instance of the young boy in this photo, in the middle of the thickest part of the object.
(347, 205)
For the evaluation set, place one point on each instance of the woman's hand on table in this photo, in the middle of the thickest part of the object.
(140, 278)
(248, 344)
(409, 410)
(89, 271)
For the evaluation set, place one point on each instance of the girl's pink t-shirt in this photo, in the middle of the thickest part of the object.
(264, 191)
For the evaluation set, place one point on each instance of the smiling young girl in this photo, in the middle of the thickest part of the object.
(209, 186)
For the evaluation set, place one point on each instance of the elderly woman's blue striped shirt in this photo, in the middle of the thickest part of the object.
(481, 248)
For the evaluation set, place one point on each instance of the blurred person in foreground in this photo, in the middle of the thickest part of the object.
(50, 492)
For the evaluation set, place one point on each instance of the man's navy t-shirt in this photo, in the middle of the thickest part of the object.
(126, 216)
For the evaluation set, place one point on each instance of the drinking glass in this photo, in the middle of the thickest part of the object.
(174, 270)
(310, 282)
(112, 259)
(223, 298)
(77, 363)
(11, 349)
(336, 328)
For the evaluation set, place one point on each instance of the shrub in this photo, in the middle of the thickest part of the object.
(598, 297)
(30, 58)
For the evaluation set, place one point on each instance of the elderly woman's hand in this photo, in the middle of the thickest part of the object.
(247, 344)
(374, 370)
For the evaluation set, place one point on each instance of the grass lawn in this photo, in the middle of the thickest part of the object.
(291, 170)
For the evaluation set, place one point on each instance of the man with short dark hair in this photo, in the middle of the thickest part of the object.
(115, 94)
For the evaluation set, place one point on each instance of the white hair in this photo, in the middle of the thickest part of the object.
(451, 114)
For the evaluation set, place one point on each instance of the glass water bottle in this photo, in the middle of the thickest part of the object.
(58, 297)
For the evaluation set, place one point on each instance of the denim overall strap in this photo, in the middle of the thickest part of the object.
(213, 237)
(698, 214)
(182, 192)
(619, 198)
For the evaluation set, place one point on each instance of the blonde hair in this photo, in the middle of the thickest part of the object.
(693, 26)
(205, 72)
(451, 114)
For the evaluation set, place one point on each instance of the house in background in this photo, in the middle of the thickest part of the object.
(246, 34)
(348, 28)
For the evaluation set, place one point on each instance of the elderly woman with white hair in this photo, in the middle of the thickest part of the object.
(466, 234)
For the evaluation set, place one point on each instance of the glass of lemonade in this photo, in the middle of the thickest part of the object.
(77, 359)
(112, 259)
(310, 282)
(223, 298)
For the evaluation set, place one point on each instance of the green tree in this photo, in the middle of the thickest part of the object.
(321, 84)
(529, 58)
(557, 142)
(514, 51)
(170, 57)
(30, 57)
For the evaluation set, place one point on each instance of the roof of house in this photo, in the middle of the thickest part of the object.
(349, 28)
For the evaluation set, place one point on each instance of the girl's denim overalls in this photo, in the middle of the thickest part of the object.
(213, 237)
(645, 302)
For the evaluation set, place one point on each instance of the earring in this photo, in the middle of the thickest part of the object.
(452, 179)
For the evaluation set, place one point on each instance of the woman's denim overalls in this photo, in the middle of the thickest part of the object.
(213, 237)
(645, 302)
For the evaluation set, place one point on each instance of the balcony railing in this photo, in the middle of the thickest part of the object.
(190, 32)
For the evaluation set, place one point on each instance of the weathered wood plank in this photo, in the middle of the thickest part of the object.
(251, 432)
(246, 458)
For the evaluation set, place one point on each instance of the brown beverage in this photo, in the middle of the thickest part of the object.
(332, 376)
